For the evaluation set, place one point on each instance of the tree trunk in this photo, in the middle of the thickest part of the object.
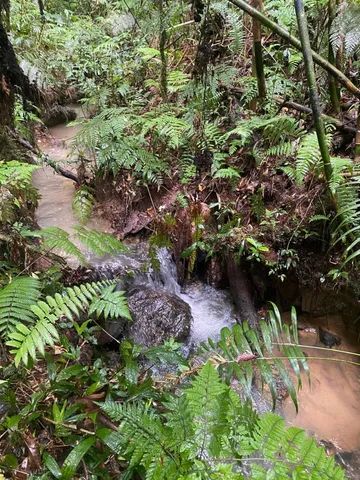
(343, 79)
(333, 85)
(162, 47)
(6, 86)
(258, 52)
(311, 79)
(357, 139)
(12, 80)
(242, 291)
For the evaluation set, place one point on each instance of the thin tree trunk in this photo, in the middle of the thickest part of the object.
(343, 79)
(162, 47)
(258, 52)
(333, 85)
(357, 138)
(6, 87)
(314, 96)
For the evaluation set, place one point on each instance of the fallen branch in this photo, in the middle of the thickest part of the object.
(253, 12)
(301, 108)
(58, 169)
(62, 171)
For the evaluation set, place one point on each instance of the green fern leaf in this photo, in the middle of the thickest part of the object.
(98, 242)
(56, 239)
(111, 304)
(83, 204)
(15, 301)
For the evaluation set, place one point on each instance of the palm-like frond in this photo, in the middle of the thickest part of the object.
(345, 29)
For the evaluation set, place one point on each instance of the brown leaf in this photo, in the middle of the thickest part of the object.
(33, 449)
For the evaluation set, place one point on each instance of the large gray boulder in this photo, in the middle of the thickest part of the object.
(158, 316)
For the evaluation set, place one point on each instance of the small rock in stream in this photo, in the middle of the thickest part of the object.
(328, 338)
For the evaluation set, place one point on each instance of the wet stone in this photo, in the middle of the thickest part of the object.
(157, 317)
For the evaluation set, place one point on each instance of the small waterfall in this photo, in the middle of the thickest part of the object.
(212, 309)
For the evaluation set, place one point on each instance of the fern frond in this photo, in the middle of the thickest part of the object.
(111, 304)
(26, 341)
(242, 349)
(345, 28)
(280, 445)
(98, 242)
(177, 81)
(83, 204)
(56, 239)
(15, 301)
(227, 173)
(14, 173)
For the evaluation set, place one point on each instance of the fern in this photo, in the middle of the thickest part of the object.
(110, 304)
(83, 204)
(345, 28)
(242, 348)
(98, 242)
(227, 173)
(16, 174)
(233, 23)
(177, 81)
(346, 224)
(15, 301)
(56, 239)
(207, 428)
(95, 297)
(27, 341)
(283, 447)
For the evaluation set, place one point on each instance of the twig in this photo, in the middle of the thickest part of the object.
(69, 426)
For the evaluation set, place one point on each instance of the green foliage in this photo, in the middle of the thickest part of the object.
(16, 190)
(345, 29)
(15, 301)
(98, 242)
(207, 429)
(83, 204)
(243, 350)
(72, 303)
(111, 304)
(56, 239)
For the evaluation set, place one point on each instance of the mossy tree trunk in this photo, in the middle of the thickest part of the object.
(258, 59)
(12, 81)
(313, 92)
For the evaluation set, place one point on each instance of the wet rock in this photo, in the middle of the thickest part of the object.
(158, 316)
(328, 338)
(57, 115)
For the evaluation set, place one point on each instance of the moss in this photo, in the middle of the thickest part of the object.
(10, 150)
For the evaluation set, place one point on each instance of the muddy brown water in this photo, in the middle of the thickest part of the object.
(329, 408)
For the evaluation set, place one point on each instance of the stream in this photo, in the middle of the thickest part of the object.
(329, 406)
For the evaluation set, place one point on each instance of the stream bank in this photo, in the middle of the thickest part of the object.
(329, 408)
